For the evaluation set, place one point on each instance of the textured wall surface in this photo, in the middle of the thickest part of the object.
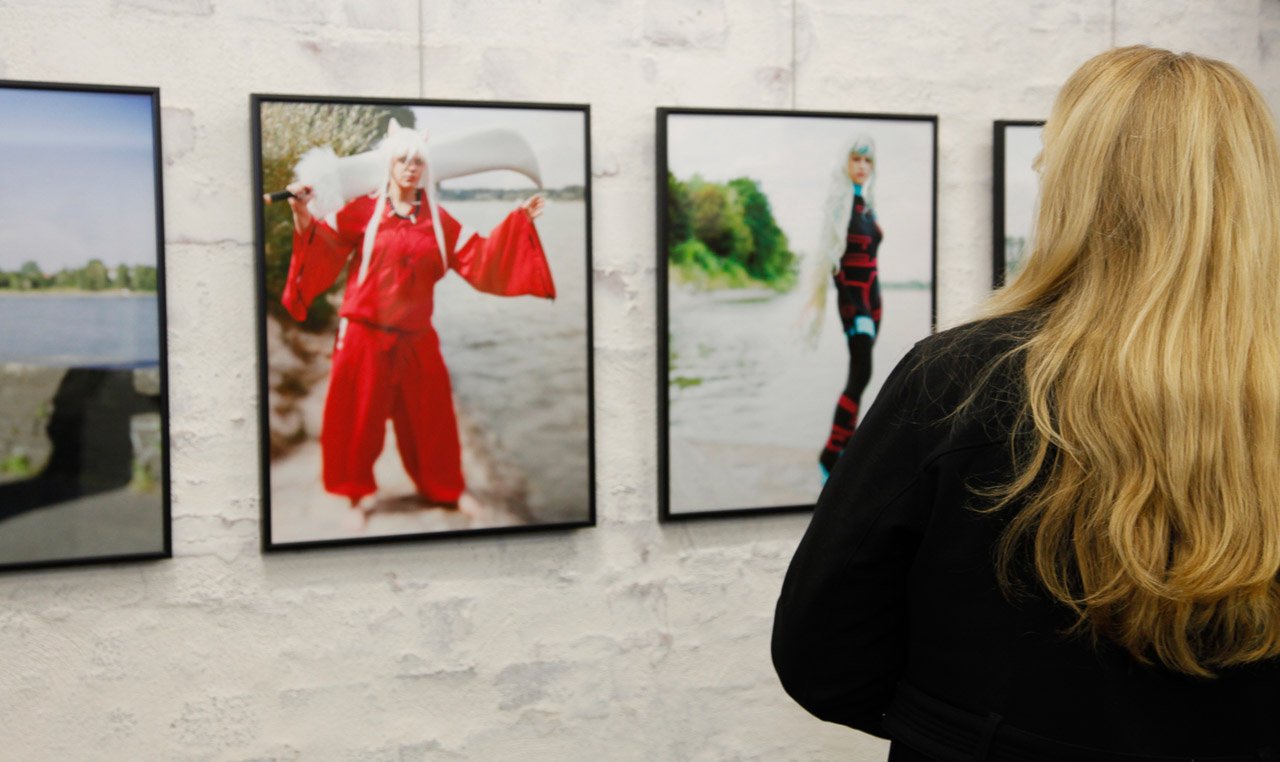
(630, 641)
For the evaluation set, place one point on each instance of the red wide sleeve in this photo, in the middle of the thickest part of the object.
(319, 254)
(509, 262)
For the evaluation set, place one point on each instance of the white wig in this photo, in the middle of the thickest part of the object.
(863, 145)
(401, 143)
(839, 205)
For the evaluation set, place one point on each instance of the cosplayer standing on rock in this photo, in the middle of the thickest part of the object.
(850, 239)
(387, 362)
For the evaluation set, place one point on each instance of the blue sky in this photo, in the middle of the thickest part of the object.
(76, 179)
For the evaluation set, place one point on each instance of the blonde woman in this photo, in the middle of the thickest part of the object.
(1061, 538)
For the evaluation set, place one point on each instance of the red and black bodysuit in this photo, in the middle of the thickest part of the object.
(858, 298)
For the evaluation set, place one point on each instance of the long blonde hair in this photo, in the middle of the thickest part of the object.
(1151, 489)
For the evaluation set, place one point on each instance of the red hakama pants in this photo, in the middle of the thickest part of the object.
(380, 374)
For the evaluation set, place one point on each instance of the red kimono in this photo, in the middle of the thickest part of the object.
(387, 363)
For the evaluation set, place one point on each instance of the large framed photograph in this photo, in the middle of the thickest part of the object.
(1015, 147)
(83, 413)
(795, 268)
(425, 318)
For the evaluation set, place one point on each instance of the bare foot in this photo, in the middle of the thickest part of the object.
(357, 519)
(355, 522)
(469, 505)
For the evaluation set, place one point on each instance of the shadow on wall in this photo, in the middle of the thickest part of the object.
(101, 418)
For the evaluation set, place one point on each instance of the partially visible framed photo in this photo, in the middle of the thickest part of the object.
(796, 261)
(425, 318)
(1015, 147)
(84, 474)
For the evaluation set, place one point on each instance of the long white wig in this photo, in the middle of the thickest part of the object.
(401, 143)
(336, 180)
(833, 236)
(839, 205)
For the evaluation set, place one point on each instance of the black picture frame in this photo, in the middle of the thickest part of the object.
(666, 513)
(86, 472)
(999, 181)
(271, 540)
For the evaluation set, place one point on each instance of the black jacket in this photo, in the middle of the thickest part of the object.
(891, 619)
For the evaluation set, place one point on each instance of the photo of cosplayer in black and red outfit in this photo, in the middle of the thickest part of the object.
(856, 277)
(762, 218)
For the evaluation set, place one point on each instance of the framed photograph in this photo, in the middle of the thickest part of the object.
(795, 268)
(424, 309)
(1015, 148)
(84, 475)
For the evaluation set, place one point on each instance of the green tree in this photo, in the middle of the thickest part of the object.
(717, 220)
(725, 235)
(143, 278)
(66, 278)
(95, 277)
(679, 228)
(770, 258)
(30, 275)
(288, 131)
(122, 277)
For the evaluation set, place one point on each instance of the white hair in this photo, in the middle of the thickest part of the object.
(401, 143)
(839, 205)
(864, 145)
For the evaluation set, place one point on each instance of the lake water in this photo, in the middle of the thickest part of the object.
(519, 365)
(63, 329)
(751, 401)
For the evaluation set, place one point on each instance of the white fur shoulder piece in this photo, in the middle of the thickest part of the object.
(336, 180)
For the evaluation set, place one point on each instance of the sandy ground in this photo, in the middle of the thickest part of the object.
(302, 511)
(747, 475)
(750, 401)
(107, 524)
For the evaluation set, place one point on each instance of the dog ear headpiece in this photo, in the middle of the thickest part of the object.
(336, 180)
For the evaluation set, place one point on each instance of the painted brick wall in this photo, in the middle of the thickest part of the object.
(631, 641)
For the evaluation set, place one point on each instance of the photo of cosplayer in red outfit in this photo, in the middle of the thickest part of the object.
(387, 365)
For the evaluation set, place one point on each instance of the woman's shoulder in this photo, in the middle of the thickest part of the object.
(976, 344)
(974, 367)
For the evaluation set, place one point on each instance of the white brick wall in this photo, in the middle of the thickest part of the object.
(630, 641)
